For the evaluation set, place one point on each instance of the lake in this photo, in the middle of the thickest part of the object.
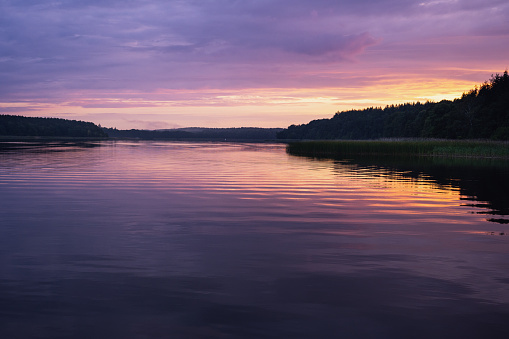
(126, 239)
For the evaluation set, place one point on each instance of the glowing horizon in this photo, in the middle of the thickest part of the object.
(227, 64)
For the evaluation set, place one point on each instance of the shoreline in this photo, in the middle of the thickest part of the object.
(485, 149)
(6, 138)
(13, 138)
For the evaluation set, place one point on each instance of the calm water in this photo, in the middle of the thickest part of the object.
(206, 240)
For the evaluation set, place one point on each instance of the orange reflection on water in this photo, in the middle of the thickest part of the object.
(260, 180)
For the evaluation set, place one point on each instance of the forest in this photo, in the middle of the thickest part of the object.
(481, 113)
(19, 126)
(241, 133)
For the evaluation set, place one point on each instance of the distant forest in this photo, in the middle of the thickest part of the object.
(19, 126)
(482, 113)
(13, 125)
(242, 133)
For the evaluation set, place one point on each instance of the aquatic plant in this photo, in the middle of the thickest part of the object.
(405, 147)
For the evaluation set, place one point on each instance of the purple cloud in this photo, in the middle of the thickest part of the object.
(81, 34)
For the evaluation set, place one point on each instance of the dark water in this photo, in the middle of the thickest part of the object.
(183, 240)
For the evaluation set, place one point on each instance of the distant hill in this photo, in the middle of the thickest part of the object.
(14, 125)
(482, 113)
(242, 133)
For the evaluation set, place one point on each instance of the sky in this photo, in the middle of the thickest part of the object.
(155, 64)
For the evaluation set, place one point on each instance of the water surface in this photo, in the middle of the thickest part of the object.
(224, 240)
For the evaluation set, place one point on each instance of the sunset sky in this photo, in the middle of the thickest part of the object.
(152, 64)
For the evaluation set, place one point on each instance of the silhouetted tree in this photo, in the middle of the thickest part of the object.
(13, 125)
(480, 113)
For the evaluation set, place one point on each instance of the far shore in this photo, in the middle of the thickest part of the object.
(14, 138)
(6, 138)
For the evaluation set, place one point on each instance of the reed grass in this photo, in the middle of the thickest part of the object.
(397, 147)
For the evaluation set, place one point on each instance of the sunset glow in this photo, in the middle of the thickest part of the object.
(225, 63)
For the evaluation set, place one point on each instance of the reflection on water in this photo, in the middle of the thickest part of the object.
(209, 240)
(481, 182)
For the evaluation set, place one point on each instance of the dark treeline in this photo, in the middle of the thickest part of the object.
(482, 113)
(13, 125)
(242, 133)
(19, 126)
